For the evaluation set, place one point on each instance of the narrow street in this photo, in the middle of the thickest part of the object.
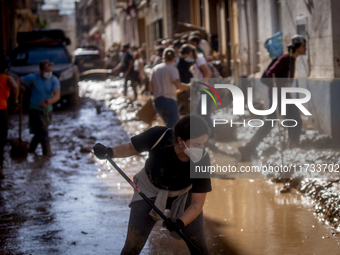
(73, 203)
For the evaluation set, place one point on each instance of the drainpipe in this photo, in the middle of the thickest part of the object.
(245, 2)
(228, 38)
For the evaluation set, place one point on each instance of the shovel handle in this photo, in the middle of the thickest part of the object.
(20, 114)
(134, 186)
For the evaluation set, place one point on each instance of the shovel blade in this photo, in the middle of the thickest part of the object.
(19, 149)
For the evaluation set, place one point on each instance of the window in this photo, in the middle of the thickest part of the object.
(301, 27)
(34, 56)
(157, 29)
(276, 16)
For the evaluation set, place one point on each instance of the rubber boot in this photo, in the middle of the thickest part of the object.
(2, 175)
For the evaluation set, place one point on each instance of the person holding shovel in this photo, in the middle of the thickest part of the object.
(165, 179)
(45, 91)
(7, 84)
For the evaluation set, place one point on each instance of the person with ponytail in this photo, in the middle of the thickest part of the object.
(164, 81)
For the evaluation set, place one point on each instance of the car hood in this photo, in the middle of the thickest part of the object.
(23, 70)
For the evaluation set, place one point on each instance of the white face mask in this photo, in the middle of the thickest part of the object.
(189, 59)
(195, 154)
(47, 75)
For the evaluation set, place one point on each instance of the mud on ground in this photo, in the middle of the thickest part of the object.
(56, 206)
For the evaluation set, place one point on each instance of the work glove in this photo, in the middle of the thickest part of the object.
(172, 224)
(101, 151)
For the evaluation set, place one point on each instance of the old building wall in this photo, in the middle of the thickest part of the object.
(318, 61)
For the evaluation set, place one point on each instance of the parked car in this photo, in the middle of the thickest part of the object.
(87, 58)
(46, 44)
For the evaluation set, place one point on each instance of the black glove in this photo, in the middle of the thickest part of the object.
(172, 224)
(101, 151)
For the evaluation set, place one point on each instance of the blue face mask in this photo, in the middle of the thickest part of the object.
(189, 59)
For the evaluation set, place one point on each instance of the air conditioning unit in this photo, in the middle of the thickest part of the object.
(301, 26)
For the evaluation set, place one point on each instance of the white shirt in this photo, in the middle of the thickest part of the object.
(163, 77)
(200, 60)
(205, 46)
(136, 64)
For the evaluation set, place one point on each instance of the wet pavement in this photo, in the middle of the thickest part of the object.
(73, 203)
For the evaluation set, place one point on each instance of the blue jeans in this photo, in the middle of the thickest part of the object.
(168, 110)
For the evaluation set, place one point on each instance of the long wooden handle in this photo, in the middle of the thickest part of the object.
(20, 114)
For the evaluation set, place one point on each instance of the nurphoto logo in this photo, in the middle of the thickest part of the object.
(239, 103)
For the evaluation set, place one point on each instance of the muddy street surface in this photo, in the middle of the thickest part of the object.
(73, 203)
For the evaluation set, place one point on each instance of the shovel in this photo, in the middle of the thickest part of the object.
(147, 113)
(19, 148)
(93, 71)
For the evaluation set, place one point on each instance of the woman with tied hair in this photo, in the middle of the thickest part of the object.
(164, 80)
(166, 180)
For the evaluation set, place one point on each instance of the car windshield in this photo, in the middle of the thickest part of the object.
(34, 56)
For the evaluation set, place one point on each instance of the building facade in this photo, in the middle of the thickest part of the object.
(89, 15)
(18, 16)
(318, 69)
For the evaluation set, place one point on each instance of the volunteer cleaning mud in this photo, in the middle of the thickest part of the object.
(165, 179)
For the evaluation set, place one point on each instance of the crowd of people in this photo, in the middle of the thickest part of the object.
(171, 66)
(172, 148)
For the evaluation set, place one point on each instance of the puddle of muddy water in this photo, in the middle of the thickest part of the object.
(253, 216)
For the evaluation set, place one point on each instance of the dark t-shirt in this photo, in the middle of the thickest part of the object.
(127, 57)
(184, 70)
(283, 67)
(163, 167)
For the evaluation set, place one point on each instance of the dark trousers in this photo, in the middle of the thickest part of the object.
(3, 133)
(39, 128)
(292, 112)
(141, 224)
